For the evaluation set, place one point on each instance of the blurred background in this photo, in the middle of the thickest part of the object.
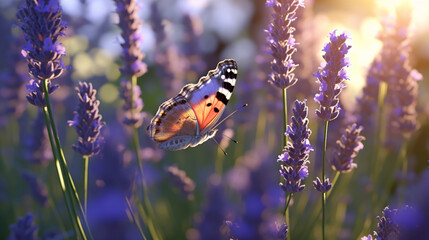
(182, 40)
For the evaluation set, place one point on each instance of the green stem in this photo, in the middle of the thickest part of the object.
(378, 162)
(68, 183)
(85, 185)
(334, 181)
(285, 137)
(325, 138)
(60, 177)
(287, 213)
(148, 205)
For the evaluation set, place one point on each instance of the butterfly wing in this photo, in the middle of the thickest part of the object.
(174, 124)
(186, 120)
(212, 93)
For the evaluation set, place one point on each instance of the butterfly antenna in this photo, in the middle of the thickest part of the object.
(236, 110)
(233, 140)
(220, 147)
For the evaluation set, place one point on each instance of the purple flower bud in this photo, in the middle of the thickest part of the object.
(387, 226)
(87, 121)
(24, 228)
(282, 42)
(331, 75)
(130, 24)
(347, 149)
(322, 187)
(296, 153)
(36, 95)
(41, 22)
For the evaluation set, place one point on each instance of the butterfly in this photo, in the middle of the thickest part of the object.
(190, 118)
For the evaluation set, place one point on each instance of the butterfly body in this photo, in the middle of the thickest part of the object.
(188, 119)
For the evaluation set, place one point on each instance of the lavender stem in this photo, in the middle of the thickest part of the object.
(54, 154)
(62, 166)
(64, 170)
(85, 184)
(325, 138)
(146, 200)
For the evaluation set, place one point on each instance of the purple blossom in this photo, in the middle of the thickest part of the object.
(35, 93)
(397, 72)
(331, 75)
(24, 228)
(181, 181)
(347, 149)
(156, 22)
(296, 153)
(412, 219)
(387, 227)
(130, 24)
(42, 24)
(368, 102)
(281, 41)
(133, 105)
(322, 187)
(87, 121)
(37, 188)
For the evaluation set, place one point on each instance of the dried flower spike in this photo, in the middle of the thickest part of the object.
(331, 75)
(282, 42)
(347, 149)
(87, 121)
(296, 153)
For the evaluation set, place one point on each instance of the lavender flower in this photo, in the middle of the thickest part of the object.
(369, 237)
(156, 23)
(387, 226)
(190, 49)
(322, 187)
(331, 76)
(347, 149)
(42, 24)
(35, 94)
(87, 121)
(412, 219)
(37, 188)
(130, 24)
(12, 79)
(181, 181)
(23, 228)
(133, 106)
(38, 150)
(397, 72)
(367, 103)
(282, 42)
(297, 150)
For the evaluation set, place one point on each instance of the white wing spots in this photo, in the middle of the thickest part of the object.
(234, 71)
(222, 77)
(225, 92)
(230, 81)
(228, 70)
